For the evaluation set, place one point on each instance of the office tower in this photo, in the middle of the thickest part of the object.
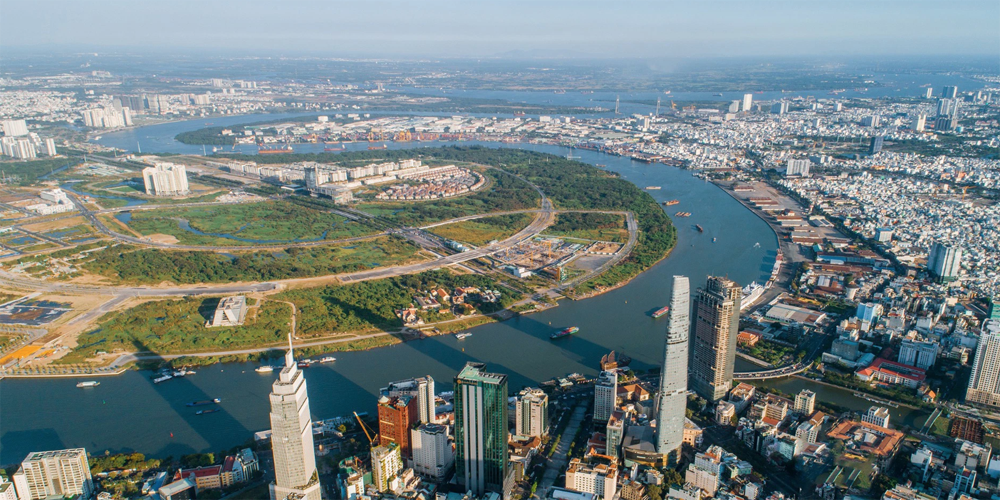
(601, 480)
(717, 322)
(291, 435)
(805, 402)
(945, 107)
(432, 453)
(984, 384)
(605, 395)
(14, 128)
(870, 121)
(480, 428)
(386, 466)
(868, 311)
(60, 473)
(944, 124)
(797, 167)
(994, 309)
(875, 146)
(779, 108)
(165, 179)
(747, 101)
(674, 373)
(928, 93)
(421, 388)
(920, 123)
(615, 433)
(949, 92)
(734, 106)
(838, 106)
(944, 262)
(396, 416)
(532, 417)
(922, 355)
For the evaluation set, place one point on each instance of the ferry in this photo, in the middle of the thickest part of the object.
(661, 311)
(463, 335)
(264, 369)
(304, 363)
(89, 383)
(328, 359)
(653, 188)
(699, 228)
(671, 203)
(564, 333)
(162, 378)
(206, 412)
(205, 402)
(751, 293)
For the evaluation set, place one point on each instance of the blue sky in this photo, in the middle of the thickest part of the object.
(483, 28)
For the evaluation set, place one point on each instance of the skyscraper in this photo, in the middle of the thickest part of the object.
(532, 418)
(421, 388)
(60, 473)
(944, 261)
(805, 402)
(984, 384)
(949, 92)
(717, 321)
(432, 453)
(928, 93)
(605, 395)
(165, 179)
(674, 373)
(480, 428)
(875, 146)
(920, 123)
(295, 472)
(396, 415)
(747, 101)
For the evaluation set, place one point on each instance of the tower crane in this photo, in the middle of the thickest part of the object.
(364, 427)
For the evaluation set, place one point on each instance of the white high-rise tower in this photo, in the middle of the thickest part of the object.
(295, 475)
(674, 373)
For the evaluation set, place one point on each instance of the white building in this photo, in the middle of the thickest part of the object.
(291, 435)
(231, 311)
(601, 479)
(877, 415)
(919, 354)
(673, 373)
(60, 472)
(805, 402)
(984, 384)
(944, 261)
(14, 128)
(706, 480)
(7, 490)
(531, 413)
(797, 167)
(605, 395)
(166, 179)
(387, 463)
(421, 388)
(747, 101)
(433, 455)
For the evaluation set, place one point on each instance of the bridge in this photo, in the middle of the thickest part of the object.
(783, 371)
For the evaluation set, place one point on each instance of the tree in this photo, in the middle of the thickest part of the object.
(655, 492)
(881, 484)
(672, 478)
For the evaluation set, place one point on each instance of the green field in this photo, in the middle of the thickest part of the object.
(590, 226)
(482, 231)
(178, 326)
(126, 264)
(270, 221)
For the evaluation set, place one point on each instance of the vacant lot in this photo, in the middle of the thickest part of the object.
(482, 231)
(590, 226)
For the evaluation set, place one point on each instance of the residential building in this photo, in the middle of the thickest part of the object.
(605, 395)
(14, 128)
(944, 261)
(166, 179)
(724, 413)
(920, 123)
(717, 320)
(7, 490)
(805, 402)
(421, 388)
(674, 373)
(972, 455)
(60, 473)
(797, 167)
(396, 416)
(870, 121)
(883, 234)
(481, 428)
(433, 455)
(949, 92)
(779, 108)
(903, 492)
(919, 354)
(387, 463)
(532, 413)
(615, 434)
(984, 384)
(868, 312)
(747, 102)
(706, 480)
(600, 479)
(875, 146)
(994, 310)
(231, 311)
(291, 435)
(877, 415)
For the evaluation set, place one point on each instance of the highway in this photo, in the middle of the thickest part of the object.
(783, 371)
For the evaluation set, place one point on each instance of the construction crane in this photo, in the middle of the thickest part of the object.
(673, 106)
(364, 427)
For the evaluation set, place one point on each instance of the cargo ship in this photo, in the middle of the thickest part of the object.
(205, 402)
(671, 203)
(274, 151)
(206, 412)
(653, 188)
(264, 369)
(341, 148)
(661, 311)
(699, 228)
(376, 148)
(89, 383)
(564, 333)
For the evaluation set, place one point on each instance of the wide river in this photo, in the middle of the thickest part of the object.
(129, 412)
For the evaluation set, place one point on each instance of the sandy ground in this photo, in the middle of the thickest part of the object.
(162, 238)
(68, 326)
(42, 227)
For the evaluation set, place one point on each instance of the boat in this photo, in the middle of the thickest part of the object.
(751, 293)
(699, 228)
(653, 188)
(682, 214)
(717, 95)
(341, 148)
(89, 383)
(600, 165)
(463, 335)
(264, 369)
(162, 378)
(564, 333)
(713, 240)
(304, 364)
(376, 148)
(667, 92)
(205, 402)
(328, 359)
(206, 412)
(661, 311)
(671, 203)
(272, 151)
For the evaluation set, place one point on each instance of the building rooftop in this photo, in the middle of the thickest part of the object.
(475, 372)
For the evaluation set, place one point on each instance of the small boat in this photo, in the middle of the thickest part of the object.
(661, 311)
(463, 335)
(699, 228)
(206, 412)
(717, 95)
(653, 188)
(162, 378)
(304, 364)
(564, 333)
(328, 359)
(89, 383)
(671, 202)
(205, 402)
(264, 369)
(713, 240)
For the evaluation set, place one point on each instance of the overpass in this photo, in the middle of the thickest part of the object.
(783, 371)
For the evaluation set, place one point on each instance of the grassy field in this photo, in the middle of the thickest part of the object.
(590, 226)
(127, 264)
(271, 221)
(178, 326)
(482, 231)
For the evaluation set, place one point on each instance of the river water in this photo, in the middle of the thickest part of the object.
(129, 412)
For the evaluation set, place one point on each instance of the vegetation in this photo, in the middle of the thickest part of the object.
(149, 266)
(770, 352)
(28, 172)
(892, 394)
(590, 226)
(482, 231)
(121, 461)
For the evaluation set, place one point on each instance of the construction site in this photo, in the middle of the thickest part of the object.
(552, 254)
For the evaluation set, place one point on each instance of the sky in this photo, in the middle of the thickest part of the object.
(489, 28)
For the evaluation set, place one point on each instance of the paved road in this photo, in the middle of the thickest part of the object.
(559, 459)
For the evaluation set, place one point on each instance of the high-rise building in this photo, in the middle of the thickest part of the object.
(396, 416)
(805, 402)
(674, 373)
(166, 179)
(295, 472)
(922, 355)
(747, 101)
(615, 433)
(480, 428)
(944, 124)
(797, 167)
(947, 107)
(62, 473)
(432, 453)
(877, 415)
(605, 395)
(49, 147)
(994, 309)
(871, 121)
(949, 92)
(984, 384)
(601, 480)
(420, 388)
(928, 93)
(14, 128)
(868, 311)
(944, 261)
(875, 146)
(532, 413)
(920, 123)
(779, 108)
(386, 466)
(734, 106)
(716, 324)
